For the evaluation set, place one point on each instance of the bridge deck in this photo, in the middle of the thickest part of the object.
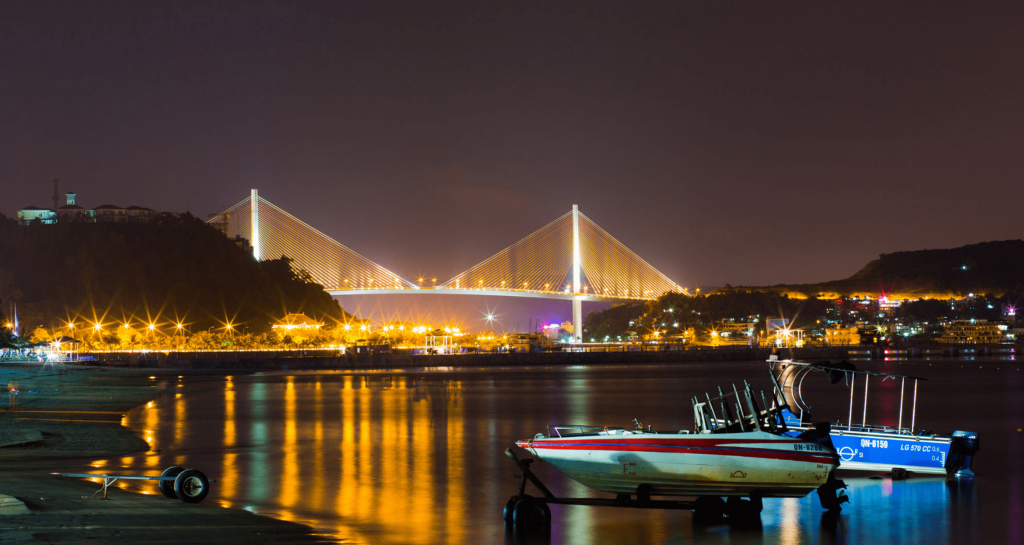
(501, 293)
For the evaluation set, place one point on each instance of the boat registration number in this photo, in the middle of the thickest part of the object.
(874, 443)
(809, 447)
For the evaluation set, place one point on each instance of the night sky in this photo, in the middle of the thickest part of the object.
(743, 144)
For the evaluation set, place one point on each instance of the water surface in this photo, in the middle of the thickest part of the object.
(417, 457)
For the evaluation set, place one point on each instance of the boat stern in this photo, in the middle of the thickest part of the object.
(821, 433)
(830, 494)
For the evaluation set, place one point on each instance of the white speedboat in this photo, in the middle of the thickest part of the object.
(742, 452)
(753, 463)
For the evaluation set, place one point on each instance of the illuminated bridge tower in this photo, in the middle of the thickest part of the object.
(255, 210)
(577, 303)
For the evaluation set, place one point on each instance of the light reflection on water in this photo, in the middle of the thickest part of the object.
(417, 457)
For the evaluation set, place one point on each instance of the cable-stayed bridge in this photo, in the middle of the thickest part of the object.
(571, 258)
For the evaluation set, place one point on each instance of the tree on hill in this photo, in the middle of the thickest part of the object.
(173, 270)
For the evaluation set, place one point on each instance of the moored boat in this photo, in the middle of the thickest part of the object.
(874, 447)
(746, 451)
(748, 463)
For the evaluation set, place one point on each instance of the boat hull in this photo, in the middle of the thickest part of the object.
(879, 451)
(735, 464)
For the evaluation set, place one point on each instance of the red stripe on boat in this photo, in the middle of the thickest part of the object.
(703, 449)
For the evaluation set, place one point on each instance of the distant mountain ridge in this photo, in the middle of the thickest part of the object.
(995, 268)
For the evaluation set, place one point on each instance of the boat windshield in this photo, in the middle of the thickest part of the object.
(576, 431)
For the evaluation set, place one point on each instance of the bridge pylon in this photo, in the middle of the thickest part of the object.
(273, 233)
(577, 303)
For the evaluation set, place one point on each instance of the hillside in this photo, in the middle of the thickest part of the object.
(175, 269)
(992, 268)
(988, 267)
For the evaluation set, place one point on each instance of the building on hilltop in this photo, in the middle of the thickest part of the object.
(73, 213)
(34, 213)
(110, 213)
(140, 214)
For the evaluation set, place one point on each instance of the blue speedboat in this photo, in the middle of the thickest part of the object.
(866, 447)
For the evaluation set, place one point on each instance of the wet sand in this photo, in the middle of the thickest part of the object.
(64, 419)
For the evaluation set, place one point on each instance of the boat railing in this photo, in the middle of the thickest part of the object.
(841, 426)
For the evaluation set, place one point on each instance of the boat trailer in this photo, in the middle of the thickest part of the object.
(187, 485)
(529, 512)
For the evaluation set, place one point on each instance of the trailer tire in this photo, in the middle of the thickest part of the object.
(167, 487)
(510, 507)
(191, 486)
(528, 514)
(709, 510)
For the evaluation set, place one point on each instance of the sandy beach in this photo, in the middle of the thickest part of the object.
(64, 418)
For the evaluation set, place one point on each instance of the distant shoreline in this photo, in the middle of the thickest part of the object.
(406, 361)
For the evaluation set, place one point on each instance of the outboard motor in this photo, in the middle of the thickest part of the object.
(965, 445)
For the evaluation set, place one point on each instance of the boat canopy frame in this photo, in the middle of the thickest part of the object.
(793, 382)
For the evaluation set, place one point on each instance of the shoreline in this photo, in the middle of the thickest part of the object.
(382, 361)
(64, 420)
(278, 361)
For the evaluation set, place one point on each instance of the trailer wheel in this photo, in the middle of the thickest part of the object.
(529, 514)
(742, 511)
(709, 510)
(510, 507)
(191, 486)
(167, 487)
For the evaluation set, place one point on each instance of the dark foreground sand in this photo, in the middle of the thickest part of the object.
(62, 419)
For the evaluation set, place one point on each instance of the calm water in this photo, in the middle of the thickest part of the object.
(417, 457)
